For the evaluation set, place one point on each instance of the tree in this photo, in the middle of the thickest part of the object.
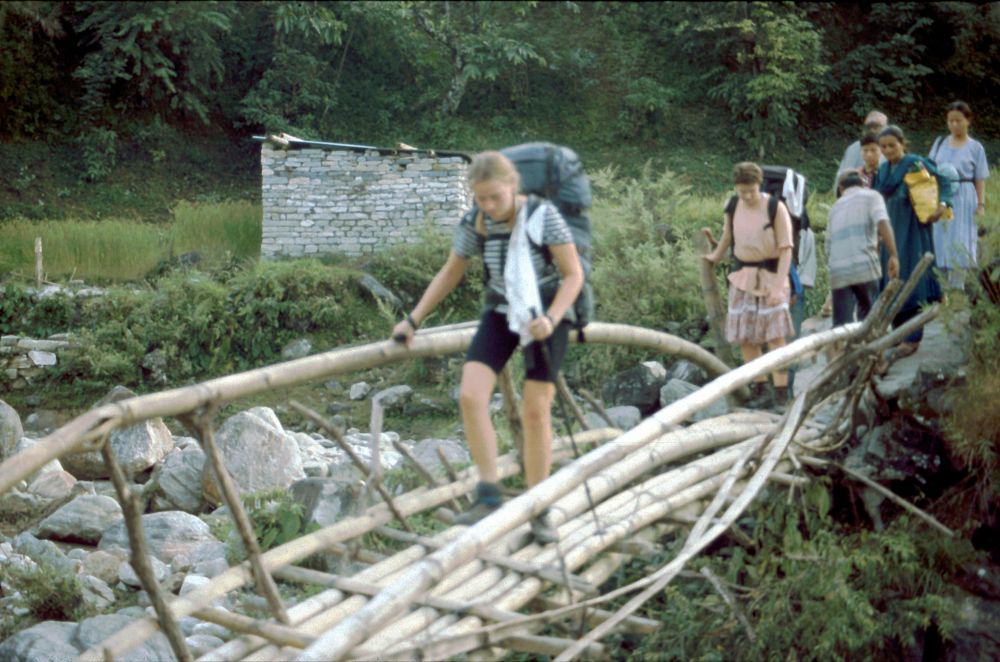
(763, 60)
(479, 40)
(163, 58)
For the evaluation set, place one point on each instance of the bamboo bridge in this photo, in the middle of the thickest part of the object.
(487, 589)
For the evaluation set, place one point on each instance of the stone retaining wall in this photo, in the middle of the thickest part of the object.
(24, 359)
(355, 202)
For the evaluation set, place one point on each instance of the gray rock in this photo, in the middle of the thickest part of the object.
(52, 485)
(426, 453)
(42, 359)
(48, 641)
(84, 519)
(44, 552)
(43, 421)
(193, 583)
(23, 444)
(128, 576)
(212, 629)
(137, 448)
(976, 633)
(638, 387)
(92, 631)
(394, 397)
(379, 291)
(624, 417)
(675, 390)
(325, 500)
(689, 372)
(297, 349)
(167, 534)
(179, 481)
(257, 453)
(11, 430)
(200, 644)
(155, 365)
(201, 556)
(103, 565)
(96, 593)
(359, 391)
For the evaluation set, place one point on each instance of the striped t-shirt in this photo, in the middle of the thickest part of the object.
(468, 243)
(852, 237)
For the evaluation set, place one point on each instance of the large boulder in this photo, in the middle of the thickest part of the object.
(136, 448)
(84, 519)
(256, 452)
(93, 631)
(48, 641)
(44, 552)
(167, 534)
(426, 452)
(178, 481)
(676, 389)
(325, 500)
(24, 444)
(638, 387)
(11, 430)
(624, 417)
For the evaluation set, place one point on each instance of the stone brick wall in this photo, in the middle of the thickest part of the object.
(355, 202)
(24, 359)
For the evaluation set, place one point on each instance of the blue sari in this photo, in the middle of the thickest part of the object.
(913, 238)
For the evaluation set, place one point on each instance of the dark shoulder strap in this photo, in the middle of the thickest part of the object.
(772, 209)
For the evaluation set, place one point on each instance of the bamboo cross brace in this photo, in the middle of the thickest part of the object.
(338, 437)
(279, 634)
(730, 601)
(521, 567)
(597, 406)
(265, 583)
(450, 471)
(140, 555)
(511, 404)
(421, 469)
(562, 388)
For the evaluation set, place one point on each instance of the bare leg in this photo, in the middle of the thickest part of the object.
(780, 378)
(474, 395)
(536, 417)
(751, 352)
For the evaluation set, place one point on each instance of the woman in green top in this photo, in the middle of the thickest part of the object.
(913, 238)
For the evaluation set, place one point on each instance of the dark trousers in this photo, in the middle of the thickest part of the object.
(859, 297)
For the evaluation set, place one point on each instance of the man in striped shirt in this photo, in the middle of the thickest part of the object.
(856, 223)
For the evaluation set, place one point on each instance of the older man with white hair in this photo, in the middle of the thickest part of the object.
(874, 122)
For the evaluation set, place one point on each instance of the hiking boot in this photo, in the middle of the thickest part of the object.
(780, 400)
(476, 512)
(542, 529)
(488, 499)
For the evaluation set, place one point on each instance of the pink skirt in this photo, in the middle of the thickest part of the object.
(750, 320)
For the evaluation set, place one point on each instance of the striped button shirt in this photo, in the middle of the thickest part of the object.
(468, 243)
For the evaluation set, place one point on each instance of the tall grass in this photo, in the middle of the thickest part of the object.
(118, 250)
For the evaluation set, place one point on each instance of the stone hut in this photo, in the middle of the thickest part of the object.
(321, 197)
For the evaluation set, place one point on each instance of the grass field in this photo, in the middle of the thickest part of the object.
(116, 250)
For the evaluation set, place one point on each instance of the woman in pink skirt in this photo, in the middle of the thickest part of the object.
(761, 232)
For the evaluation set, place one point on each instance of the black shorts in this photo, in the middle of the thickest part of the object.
(494, 344)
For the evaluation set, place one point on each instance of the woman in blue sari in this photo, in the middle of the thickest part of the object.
(913, 238)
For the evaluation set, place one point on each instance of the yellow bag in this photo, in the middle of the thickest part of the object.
(924, 196)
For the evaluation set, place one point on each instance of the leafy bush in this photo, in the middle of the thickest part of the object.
(276, 518)
(46, 592)
(810, 588)
(99, 150)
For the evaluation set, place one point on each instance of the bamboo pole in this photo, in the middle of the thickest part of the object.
(265, 583)
(512, 407)
(430, 478)
(91, 425)
(338, 641)
(298, 549)
(716, 312)
(39, 269)
(140, 554)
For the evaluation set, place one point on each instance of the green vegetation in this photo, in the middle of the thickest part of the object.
(49, 594)
(810, 588)
(276, 518)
